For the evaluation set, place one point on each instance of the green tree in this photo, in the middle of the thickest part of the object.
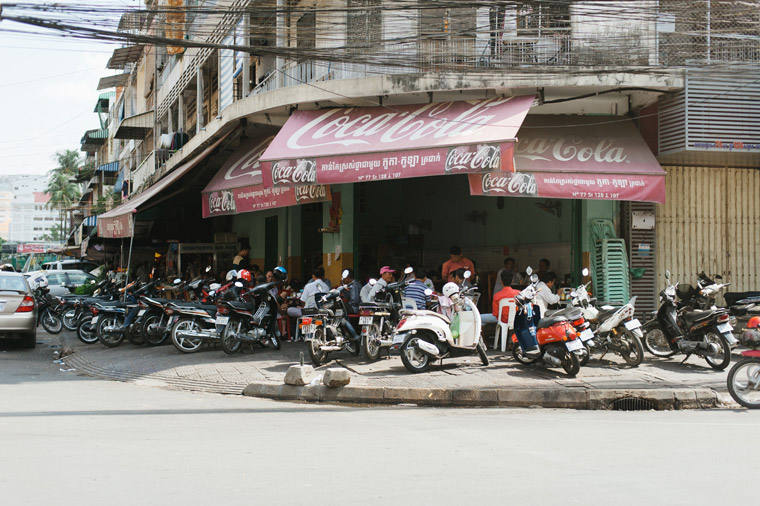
(54, 235)
(63, 192)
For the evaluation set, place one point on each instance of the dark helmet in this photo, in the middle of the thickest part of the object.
(280, 274)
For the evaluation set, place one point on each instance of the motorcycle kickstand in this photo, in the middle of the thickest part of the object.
(687, 358)
(603, 354)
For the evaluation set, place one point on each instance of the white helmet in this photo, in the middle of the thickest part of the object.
(39, 282)
(450, 289)
(232, 275)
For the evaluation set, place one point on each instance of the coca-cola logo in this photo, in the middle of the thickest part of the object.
(509, 183)
(310, 193)
(482, 158)
(248, 164)
(567, 149)
(290, 172)
(221, 202)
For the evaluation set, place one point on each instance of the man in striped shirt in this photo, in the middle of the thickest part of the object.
(416, 289)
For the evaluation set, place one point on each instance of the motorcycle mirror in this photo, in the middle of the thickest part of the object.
(238, 284)
(212, 293)
(585, 272)
(529, 271)
(177, 281)
(428, 292)
(467, 274)
(667, 274)
(408, 270)
(208, 269)
(344, 274)
(372, 282)
(534, 278)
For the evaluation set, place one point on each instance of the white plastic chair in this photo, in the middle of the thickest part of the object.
(502, 329)
(408, 303)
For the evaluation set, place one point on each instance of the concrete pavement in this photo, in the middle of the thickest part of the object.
(660, 384)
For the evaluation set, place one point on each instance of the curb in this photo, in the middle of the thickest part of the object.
(658, 399)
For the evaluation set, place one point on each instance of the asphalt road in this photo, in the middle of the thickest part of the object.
(67, 439)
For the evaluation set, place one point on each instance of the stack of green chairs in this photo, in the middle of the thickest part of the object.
(609, 263)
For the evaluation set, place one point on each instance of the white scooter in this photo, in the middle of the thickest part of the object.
(454, 331)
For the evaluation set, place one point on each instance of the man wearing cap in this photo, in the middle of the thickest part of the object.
(457, 261)
(386, 277)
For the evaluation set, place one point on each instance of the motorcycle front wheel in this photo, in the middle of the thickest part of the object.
(370, 343)
(744, 382)
(109, 339)
(414, 360)
(230, 345)
(634, 353)
(69, 320)
(722, 358)
(482, 352)
(186, 344)
(585, 354)
(517, 352)
(51, 322)
(656, 343)
(318, 357)
(150, 325)
(571, 364)
(86, 331)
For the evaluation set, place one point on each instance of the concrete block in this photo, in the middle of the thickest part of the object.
(311, 393)
(358, 394)
(299, 375)
(336, 377)
(685, 399)
(474, 397)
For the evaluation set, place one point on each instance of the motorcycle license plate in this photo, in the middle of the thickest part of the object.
(586, 335)
(632, 324)
(141, 312)
(94, 320)
(365, 320)
(309, 329)
(222, 320)
(575, 344)
(724, 328)
(398, 338)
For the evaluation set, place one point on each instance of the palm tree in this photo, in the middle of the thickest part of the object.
(63, 192)
(68, 162)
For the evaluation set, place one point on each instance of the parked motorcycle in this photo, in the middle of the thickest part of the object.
(551, 340)
(423, 336)
(744, 380)
(154, 322)
(705, 333)
(326, 328)
(116, 320)
(378, 319)
(46, 310)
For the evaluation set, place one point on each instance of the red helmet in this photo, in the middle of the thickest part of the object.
(244, 274)
(753, 322)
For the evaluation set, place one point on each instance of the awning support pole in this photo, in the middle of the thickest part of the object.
(129, 259)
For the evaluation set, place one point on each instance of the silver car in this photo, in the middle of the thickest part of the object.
(18, 310)
(60, 281)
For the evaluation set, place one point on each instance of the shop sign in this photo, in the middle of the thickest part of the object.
(258, 197)
(115, 227)
(30, 248)
(637, 188)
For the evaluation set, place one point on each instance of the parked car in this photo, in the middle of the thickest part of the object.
(82, 265)
(62, 282)
(18, 311)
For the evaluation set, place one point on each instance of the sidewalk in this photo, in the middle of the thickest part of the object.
(659, 384)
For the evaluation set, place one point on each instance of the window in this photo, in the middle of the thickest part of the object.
(306, 30)
(364, 26)
(56, 279)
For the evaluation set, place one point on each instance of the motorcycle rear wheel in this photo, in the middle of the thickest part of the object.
(51, 322)
(369, 344)
(482, 352)
(230, 345)
(112, 339)
(318, 357)
(69, 320)
(414, 360)
(184, 344)
(656, 343)
(744, 382)
(635, 353)
(721, 361)
(86, 331)
(571, 364)
(149, 334)
(585, 354)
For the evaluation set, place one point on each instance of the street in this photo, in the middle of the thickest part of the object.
(68, 439)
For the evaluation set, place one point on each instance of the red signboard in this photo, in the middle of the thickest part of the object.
(30, 248)
(116, 226)
(370, 143)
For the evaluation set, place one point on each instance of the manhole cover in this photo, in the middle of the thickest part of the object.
(632, 404)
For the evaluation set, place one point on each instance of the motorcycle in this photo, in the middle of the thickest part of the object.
(705, 333)
(378, 319)
(551, 340)
(245, 325)
(116, 320)
(423, 336)
(744, 380)
(154, 322)
(326, 328)
(47, 314)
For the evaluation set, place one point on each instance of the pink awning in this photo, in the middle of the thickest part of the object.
(238, 186)
(578, 157)
(118, 221)
(346, 145)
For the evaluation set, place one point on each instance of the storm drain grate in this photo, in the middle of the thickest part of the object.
(632, 404)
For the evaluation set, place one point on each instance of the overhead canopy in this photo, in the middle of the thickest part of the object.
(238, 187)
(118, 221)
(103, 102)
(578, 157)
(108, 167)
(93, 139)
(125, 55)
(113, 81)
(347, 145)
(136, 127)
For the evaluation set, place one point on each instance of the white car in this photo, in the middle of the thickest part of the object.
(61, 282)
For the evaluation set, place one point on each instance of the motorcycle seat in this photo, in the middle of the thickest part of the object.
(692, 317)
(158, 300)
(606, 313)
(240, 306)
(550, 320)
(111, 304)
(571, 313)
